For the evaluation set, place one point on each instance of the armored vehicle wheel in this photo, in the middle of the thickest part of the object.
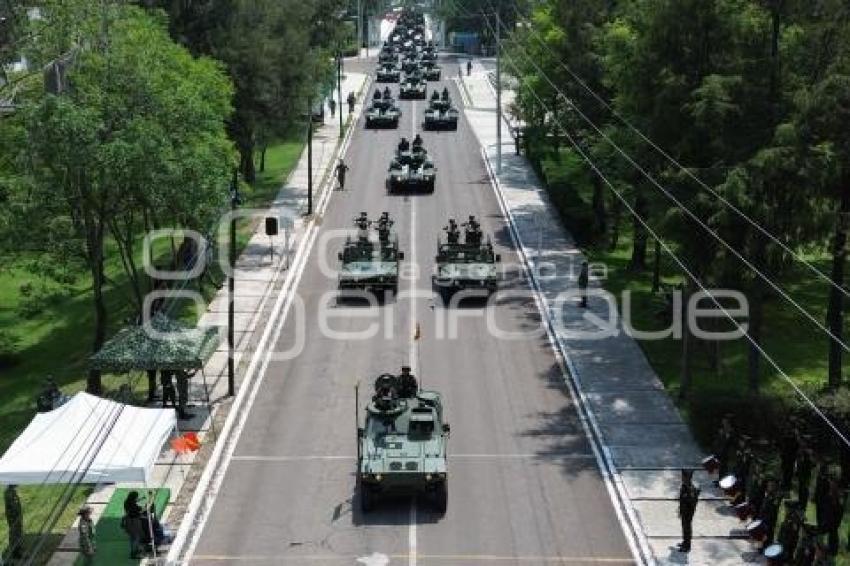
(441, 498)
(367, 499)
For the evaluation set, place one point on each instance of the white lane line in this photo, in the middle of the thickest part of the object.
(452, 559)
(411, 561)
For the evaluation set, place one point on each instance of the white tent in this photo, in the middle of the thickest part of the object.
(88, 439)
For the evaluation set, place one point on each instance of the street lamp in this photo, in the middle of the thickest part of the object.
(339, 87)
(235, 201)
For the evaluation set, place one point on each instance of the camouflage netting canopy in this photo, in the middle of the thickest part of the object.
(172, 346)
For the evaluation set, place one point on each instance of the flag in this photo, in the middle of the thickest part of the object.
(188, 442)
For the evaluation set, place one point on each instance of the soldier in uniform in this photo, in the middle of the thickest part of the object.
(169, 395)
(435, 96)
(821, 494)
(14, 521)
(808, 545)
(87, 535)
(403, 145)
(445, 94)
(723, 443)
(805, 467)
(407, 386)
(832, 513)
(341, 169)
(387, 94)
(376, 95)
(789, 530)
(469, 67)
(453, 234)
(769, 512)
(183, 395)
(384, 224)
(417, 142)
(688, 498)
(788, 448)
(583, 280)
(151, 385)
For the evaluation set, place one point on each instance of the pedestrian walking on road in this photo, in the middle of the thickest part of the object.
(351, 100)
(688, 498)
(332, 106)
(340, 171)
(14, 521)
(583, 280)
(86, 530)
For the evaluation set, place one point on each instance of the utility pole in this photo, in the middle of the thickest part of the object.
(498, 94)
(310, 154)
(339, 88)
(231, 288)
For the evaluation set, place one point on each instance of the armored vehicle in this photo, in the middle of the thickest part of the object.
(410, 64)
(382, 113)
(411, 88)
(410, 169)
(430, 71)
(370, 261)
(388, 55)
(401, 449)
(440, 114)
(388, 73)
(470, 264)
(428, 55)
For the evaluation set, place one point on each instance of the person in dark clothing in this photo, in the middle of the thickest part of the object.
(723, 443)
(169, 395)
(151, 385)
(351, 100)
(821, 493)
(14, 521)
(788, 448)
(133, 524)
(805, 467)
(688, 498)
(407, 386)
(583, 280)
(832, 513)
(377, 94)
(770, 511)
(341, 170)
(183, 396)
(789, 530)
(469, 67)
(332, 106)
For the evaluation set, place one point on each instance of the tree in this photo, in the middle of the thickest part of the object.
(140, 131)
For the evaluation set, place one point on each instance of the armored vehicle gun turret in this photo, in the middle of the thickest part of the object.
(440, 114)
(428, 55)
(410, 64)
(411, 169)
(388, 73)
(411, 88)
(370, 261)
(468, 264)
(388, 55)
(401, 448)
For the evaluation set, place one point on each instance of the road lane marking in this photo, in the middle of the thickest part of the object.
(411, 536)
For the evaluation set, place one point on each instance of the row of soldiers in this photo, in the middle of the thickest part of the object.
(745, 474)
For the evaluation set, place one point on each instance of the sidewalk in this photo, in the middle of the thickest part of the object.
(644, 441)
(259, 277)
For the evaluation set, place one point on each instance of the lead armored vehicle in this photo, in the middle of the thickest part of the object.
(382, 112)
(470, 264)
(440, 114)
(401, 448)
(370, 261)
(411, 88)
(411, 169)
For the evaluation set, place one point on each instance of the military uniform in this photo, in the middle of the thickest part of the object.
(169, 395)
(770, 512)
(688, 498)
(183, 395)
(407, 385)
(14, 520)
(789, 532)
(805, 466)
(788, 456)
(723, 445)
(87, 535)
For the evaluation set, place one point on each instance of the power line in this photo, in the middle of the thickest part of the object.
(675, 162)
(684, 208)
(682, 265)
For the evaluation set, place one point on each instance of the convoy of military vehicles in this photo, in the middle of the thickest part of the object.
(401, 447)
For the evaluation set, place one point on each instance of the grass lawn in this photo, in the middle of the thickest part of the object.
(794, 342)
(55, 339)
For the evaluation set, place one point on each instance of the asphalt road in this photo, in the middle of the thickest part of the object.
(524, 487)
